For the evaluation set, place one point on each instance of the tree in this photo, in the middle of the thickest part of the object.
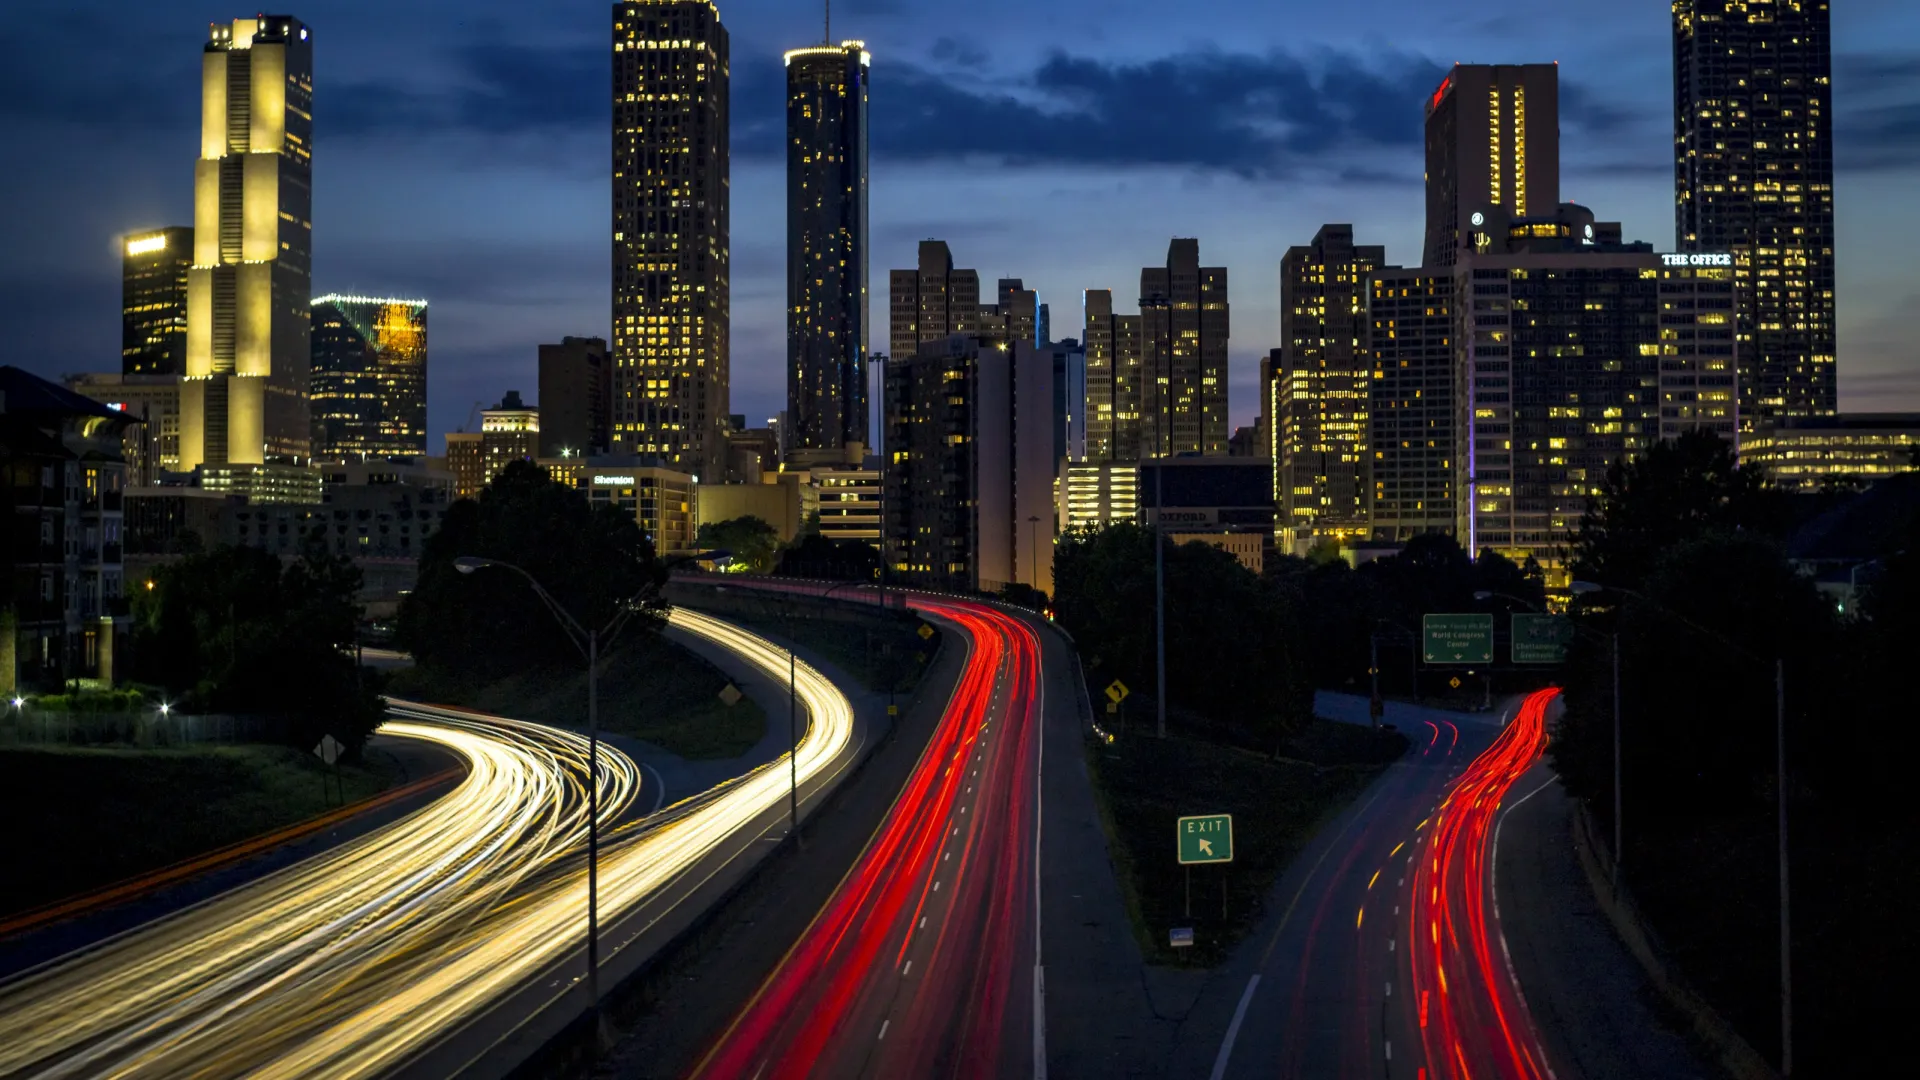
(812, 555)
(1677, 491)
(754, 543)
(592, 559)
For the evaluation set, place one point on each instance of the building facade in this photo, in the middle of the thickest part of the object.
(1093, 494)
(369, 377)
(826, 248)
(1568, 356)
(152, 446)
(62, 486)
(931, 302)
(245, 398)
(153, 300)
(467, 461)
(1184, 326)
(1113, 381)
(1492, 136)
(1411, 421)
(1817, 452)
(970, 500)
(1753, 177)
(1223, 502)
(1321, 406)
(576, 398)
(660, 499)
(671, 231)
(509, 432)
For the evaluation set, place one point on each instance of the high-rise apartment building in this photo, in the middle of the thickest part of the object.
(970, 499)
(1493, 136)
(670, 233)
(1113, 381)
(1183, 355)
(1570, 356)
(369, 377)
(1753, 177)
(1411, 421)
(244, 401)
(576, 398)
(1015, 317)
(826, 248)
(1320, 415)
(932, 302)
(153, 300)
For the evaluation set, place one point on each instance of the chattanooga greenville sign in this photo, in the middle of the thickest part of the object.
(1699, 259)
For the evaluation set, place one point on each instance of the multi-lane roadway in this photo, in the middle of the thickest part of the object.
(426, 938)
(1387, 959)
(925, 961)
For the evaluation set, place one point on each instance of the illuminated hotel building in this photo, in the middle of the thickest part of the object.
(670, 233)
(1493, 136)
(1753, 175)
(1183, 355)
(826, 249)
(1113, 381)
(153, 300)
(244, 400)
(1571, 354)
(1410, 403)
(1320, 390)
(369, 377)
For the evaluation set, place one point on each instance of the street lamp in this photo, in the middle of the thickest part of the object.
(1581, 588)
(588, 642)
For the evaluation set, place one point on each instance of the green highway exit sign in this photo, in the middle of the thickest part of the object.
(1205, 838)
(1541, 639)
(1457, 639)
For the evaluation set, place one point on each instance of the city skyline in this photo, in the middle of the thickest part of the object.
(530, 276)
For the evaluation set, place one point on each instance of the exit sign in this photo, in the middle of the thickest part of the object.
(1205, 838)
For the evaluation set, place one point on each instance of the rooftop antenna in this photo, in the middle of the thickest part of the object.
(827, 29)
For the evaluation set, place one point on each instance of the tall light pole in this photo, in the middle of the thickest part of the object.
(1159, 601)
(588, 642)
(1780, 799)
(1033, 551)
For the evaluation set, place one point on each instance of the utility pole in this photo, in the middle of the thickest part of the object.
(1619, 852)
(1786, 933)
(1159, 599)
(593, 828)
(1373, 672)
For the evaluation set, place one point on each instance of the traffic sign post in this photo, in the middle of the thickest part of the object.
(1457, 639)
(1117, 691)
(1541, 639)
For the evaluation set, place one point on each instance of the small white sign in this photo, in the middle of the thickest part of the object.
(328, 749)
(1702, 259)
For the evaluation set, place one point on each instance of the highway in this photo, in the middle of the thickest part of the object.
(422, 941)
(925, 962)
(1388, 960)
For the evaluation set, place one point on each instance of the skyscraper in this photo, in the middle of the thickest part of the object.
(826, 248)
(244, 401)
(1320, 421)
(1410, 403)
(1753, 176)
(1183, 354)
(369, 377)
(1014, 318)
(153, 300)
(1493, 136)
(670, 233)
(576, 398)
(932, 302)
(1113, 380)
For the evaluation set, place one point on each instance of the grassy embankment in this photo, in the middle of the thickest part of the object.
(1144, 784)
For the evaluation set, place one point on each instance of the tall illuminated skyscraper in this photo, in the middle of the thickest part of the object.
(1113, 380)
(1753, 175)
(1183, 355)
(1493, 136)
(670, 233)
(1320, 393)
(244, 399)
(369, 377)
(826, 248)
(153, 300)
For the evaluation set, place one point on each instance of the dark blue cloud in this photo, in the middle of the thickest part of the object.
(491, 88)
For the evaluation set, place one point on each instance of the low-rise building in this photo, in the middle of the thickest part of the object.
(1811, 453)
(1223, 501)
(1097, 493)
(63, 480)
(152, 446)
(660, 499)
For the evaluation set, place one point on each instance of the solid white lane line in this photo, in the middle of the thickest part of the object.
(923, 922)
(883, 1028)
(1233, 1030)
(936, 886)
(909, 967)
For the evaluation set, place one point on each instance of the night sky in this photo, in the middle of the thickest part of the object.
(462, 154)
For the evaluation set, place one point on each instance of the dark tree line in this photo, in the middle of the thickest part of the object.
(592, 559)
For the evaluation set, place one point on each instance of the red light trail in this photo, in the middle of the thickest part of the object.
(919, 964)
